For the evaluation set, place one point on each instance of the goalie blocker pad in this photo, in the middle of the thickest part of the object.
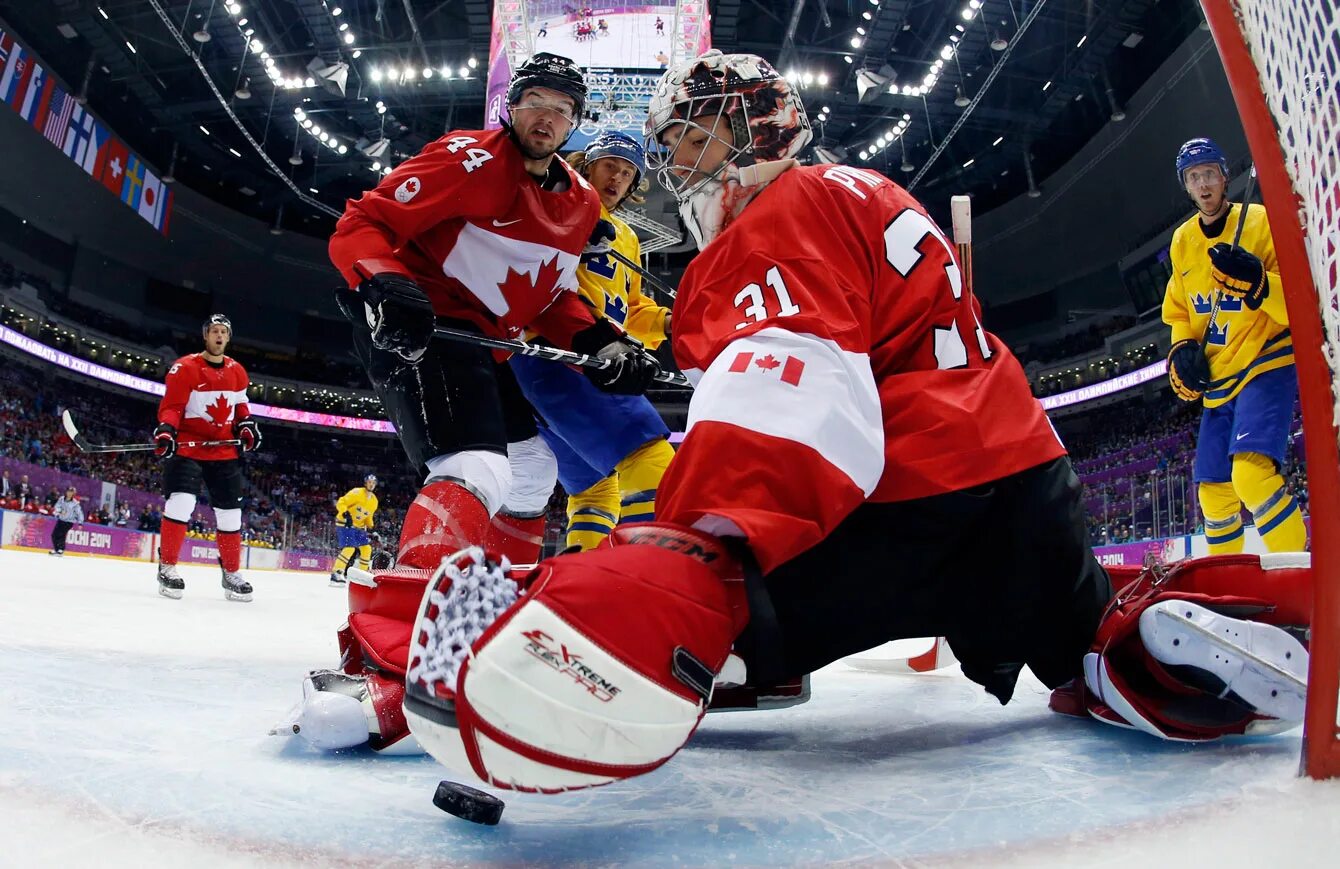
(1127, 686)
(601, 671)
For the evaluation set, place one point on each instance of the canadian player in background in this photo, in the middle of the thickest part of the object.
(483, 228)
(1243, 370)
(864, 462)
(354, 513)
(612, 450)
(205, 399)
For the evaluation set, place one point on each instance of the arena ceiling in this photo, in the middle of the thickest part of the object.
(1065, 68)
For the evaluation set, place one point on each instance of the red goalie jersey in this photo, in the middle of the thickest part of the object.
(202, 401)
(466, 223)
(838, 358)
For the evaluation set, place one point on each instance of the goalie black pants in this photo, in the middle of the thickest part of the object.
(1003, 571)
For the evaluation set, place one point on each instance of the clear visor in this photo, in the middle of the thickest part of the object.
(681, 166)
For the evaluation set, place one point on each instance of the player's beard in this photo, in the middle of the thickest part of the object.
(538, 154)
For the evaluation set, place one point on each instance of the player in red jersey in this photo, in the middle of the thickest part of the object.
(205, 400)
(863, 463)
(483, 230)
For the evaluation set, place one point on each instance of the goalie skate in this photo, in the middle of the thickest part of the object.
(170, 583)
(1259, 664)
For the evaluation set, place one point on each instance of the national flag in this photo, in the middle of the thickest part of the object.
(83, 139)
(12, 65)
(59, 111)
(791, 367)
(132, 187)
(151, 200)
(36, 93)
(113, 173)
(168, 196)
(14, 82)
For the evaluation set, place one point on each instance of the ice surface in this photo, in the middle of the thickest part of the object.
(134, 728)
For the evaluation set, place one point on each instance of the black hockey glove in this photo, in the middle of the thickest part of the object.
(1240, 274)
(601, 240)
(1188, 369)
(399, 314)
(248, 433)
(345, 520)
(632, 368)
(165, 440)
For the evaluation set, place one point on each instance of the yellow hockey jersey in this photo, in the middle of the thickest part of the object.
(360, 504)
(1244, 343)
(616, 290)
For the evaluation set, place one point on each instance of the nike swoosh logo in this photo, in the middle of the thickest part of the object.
(497, 222)
(1243, 435)
(1187, 272)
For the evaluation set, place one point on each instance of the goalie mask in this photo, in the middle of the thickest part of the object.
(750, 117)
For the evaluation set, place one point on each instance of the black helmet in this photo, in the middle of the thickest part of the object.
(217, 320)
(546, 70)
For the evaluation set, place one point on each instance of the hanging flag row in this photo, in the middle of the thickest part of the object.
(31, 91)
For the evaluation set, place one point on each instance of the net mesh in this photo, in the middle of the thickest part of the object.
(1295, 45)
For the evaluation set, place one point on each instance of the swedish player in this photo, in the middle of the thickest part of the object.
(1245, 374)
(611, 449)
(353, 520)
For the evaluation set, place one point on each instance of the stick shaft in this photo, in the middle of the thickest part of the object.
(542, 351)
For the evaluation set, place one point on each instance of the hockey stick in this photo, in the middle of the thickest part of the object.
(656, 283)
(939, 655)
(543, 351)
(1237, 239)
(87, 446)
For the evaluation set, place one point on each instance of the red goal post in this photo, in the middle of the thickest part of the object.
(1283, 63)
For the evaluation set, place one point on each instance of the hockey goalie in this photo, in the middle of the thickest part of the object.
(864, 462)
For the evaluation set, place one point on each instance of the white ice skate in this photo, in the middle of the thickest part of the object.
(235, 587)
(337, 579)
(170, 583)
(1261, 664)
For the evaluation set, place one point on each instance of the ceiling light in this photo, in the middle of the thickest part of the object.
(1081, 40)
(375, 74)
(314, 190)
(472, 63)
(386, 170)
(861, 30)
(348, 39)
(959, 28)
(316, 131)
(381, 108)
(1047, 85)
(969, 163)
(865, 155)
(201, 36)
(203, 130)
(946, 52)
(807, 79)
(243, 91)
(847, 58)
(866, 15)
(968, 14)
(376, 166)
(427, 72)
(299, 113)
(307, 123)
(824, 110)
(856, 42)
(257, 45)
(337, 12)
(999, 139)
(344, 26)
(235, 152)
(132, 48)
(309, 82)
(103, 14)
(465, 72)
(823, 79)
(358, 52)
(998, 42)
(960, 99)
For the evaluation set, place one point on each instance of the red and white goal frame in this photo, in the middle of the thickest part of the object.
(1283, 63)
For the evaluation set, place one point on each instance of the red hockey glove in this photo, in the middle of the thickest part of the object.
(1240, 274)
(249, 433)
(600, 671)
(632, 369)
(165, 440)
(1188, 369)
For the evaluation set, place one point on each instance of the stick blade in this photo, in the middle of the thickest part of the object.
(70, 429)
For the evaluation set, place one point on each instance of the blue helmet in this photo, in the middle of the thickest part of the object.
(1196, 152)
(615, 144)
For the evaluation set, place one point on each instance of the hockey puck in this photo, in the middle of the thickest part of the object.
(467, 803)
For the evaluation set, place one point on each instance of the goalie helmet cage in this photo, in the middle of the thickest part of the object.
(1282, 58)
